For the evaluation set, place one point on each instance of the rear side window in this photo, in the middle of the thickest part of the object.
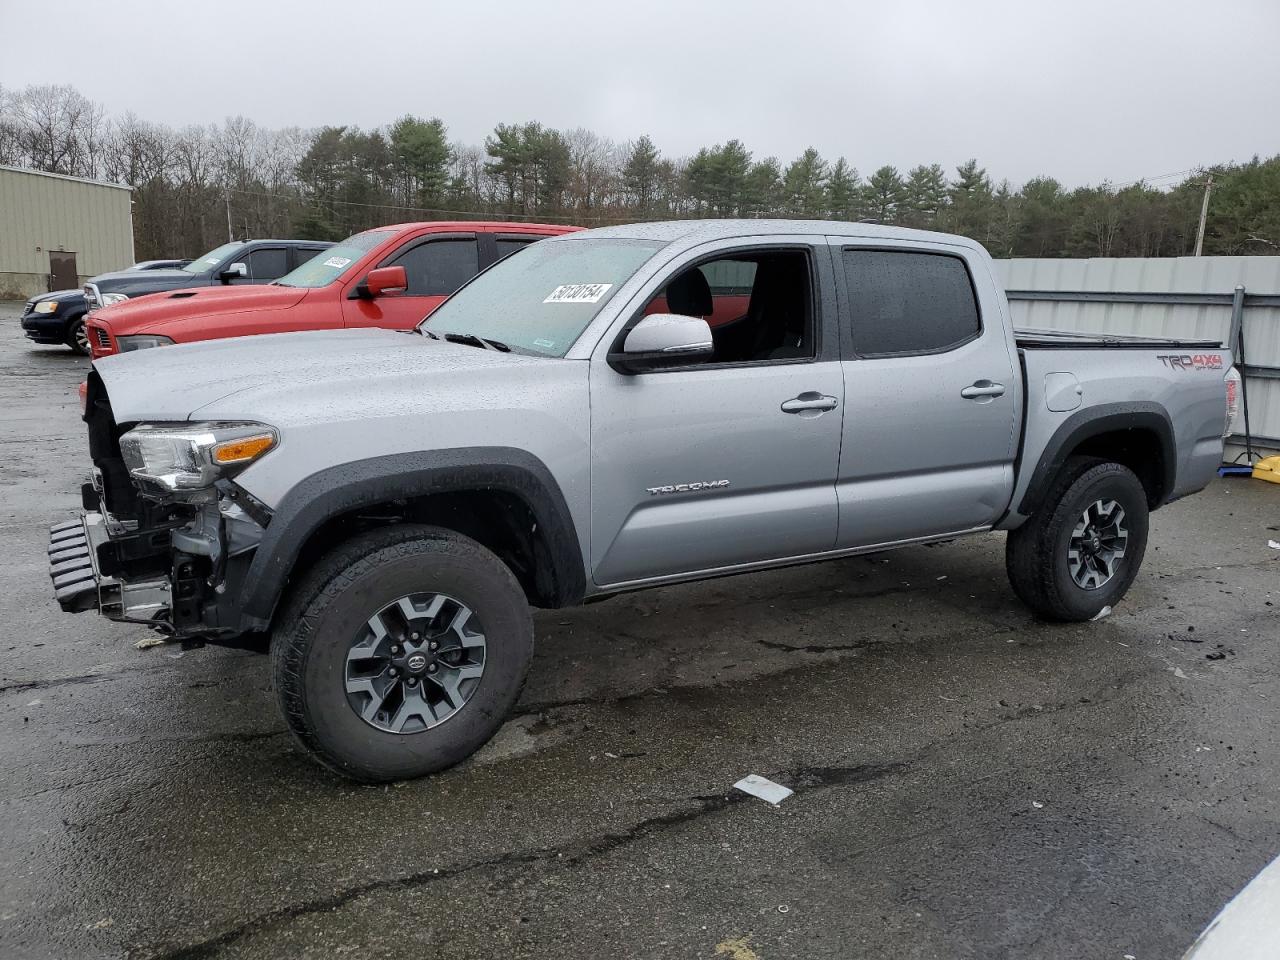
(302, 254)
(268, 263)
(904, 302)
(509, 245)
(439, 267)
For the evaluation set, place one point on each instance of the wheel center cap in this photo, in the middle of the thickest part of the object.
(416, 663)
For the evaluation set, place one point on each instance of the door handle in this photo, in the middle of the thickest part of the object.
(982, 389)
(809, 402)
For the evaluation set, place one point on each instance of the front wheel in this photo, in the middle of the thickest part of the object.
(401, 653)
(1081, 550)
(78, 337)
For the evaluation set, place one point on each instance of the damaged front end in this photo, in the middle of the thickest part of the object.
(167, 534)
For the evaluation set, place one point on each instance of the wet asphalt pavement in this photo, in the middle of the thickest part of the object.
(969, 782)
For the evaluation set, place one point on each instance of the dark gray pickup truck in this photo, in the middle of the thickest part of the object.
(242, 261)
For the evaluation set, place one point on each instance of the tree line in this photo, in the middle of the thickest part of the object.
(194, 185)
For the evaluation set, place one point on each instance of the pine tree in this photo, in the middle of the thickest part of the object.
(805, 182)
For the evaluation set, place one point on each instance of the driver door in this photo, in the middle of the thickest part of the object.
(711, 466)
(436, 265)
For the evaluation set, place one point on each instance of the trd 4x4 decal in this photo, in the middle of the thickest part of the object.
(1187, 361)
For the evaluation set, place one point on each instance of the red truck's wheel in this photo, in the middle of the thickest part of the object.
(1082, 549)
(401, 653)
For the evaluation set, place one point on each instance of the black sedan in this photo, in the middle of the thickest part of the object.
(58, 317)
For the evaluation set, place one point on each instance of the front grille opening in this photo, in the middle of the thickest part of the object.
(104, 338)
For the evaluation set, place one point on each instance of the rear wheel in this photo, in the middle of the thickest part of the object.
(78, 337)
(401, 653)
(1082, 549)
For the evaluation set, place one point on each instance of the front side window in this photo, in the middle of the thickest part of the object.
(759, 305)
(439, 267)
(214, 259)
(268, 263)
(904, 302)
(328, 265)
(540, 299)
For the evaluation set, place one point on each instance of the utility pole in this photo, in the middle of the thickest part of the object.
(231, 236)
(1204, 213)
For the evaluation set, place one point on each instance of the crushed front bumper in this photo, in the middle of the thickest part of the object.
(73, 566)
(79, 585)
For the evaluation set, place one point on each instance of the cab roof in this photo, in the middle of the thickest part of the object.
(699, 231)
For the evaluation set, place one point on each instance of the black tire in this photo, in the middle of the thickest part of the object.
(333, 603)
(1037, 553)
(76, 337)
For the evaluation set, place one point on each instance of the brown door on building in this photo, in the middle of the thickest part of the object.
(62, 271)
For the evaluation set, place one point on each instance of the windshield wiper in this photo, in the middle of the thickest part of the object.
(470, 339)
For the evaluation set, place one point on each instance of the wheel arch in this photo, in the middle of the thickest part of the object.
(1138, 435)
(501, 496)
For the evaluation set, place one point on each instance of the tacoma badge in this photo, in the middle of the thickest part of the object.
(687, 487)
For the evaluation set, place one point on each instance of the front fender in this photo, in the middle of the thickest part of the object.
(364, 483)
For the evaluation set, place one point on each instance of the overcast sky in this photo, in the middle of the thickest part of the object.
(1079, 89)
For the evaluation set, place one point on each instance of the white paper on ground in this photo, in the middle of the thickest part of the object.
(763, 788)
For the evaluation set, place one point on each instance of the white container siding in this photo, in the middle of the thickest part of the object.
(1217, 275)
(40, 212)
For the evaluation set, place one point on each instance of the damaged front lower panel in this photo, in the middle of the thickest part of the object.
(80, 585)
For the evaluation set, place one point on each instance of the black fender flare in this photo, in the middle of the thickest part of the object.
(364, 483)
(1093, 422)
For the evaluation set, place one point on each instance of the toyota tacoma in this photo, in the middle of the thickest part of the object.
(383, 508)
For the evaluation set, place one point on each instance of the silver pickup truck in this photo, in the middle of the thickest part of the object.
(606, 411)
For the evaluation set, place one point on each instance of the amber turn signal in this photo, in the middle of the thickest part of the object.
(244, 449)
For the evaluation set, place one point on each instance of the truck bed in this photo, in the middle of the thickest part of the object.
(1073, 340)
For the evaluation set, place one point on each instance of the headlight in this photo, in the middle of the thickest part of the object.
(109, 298)
(142, 343)
(45, 306)
(191, 456)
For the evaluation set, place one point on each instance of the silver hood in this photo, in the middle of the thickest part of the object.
(277, 377)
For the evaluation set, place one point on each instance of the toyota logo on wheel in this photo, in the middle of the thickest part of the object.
(416, 662)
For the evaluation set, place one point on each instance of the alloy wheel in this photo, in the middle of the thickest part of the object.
(415, 664)
(1097, 544)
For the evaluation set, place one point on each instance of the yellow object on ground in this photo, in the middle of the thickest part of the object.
(1268, 469)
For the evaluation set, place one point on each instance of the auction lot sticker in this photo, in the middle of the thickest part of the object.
(578, 293)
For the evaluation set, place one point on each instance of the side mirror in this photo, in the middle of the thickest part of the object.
(385, 282)
(664, 340)
(237, 271)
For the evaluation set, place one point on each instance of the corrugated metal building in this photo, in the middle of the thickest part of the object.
(56, 231)
(1179, 297)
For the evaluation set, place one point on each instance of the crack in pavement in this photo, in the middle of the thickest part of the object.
(57, 682)
(807, 779)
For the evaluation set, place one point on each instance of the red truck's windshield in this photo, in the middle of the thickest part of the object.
(322, 270)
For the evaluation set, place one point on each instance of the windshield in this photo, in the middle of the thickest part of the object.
(214, 258)
(328, 265)
(540, 299)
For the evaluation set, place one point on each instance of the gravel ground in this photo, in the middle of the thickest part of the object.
(969, 782)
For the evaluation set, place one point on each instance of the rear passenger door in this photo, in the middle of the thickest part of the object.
(932, 394)
(436, 265)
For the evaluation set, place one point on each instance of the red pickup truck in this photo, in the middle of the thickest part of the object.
(386, 277)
